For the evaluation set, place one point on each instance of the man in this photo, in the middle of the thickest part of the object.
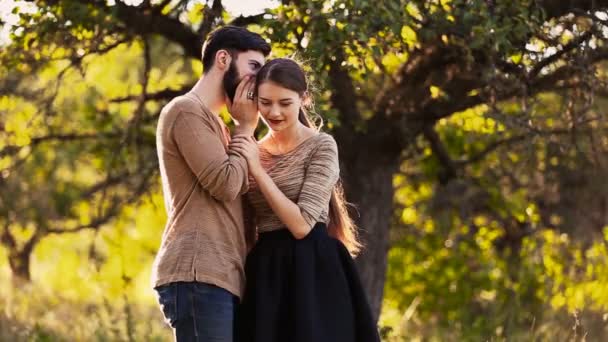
(198, 271)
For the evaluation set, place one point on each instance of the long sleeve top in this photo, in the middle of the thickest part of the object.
(307, 175)
(202, 181)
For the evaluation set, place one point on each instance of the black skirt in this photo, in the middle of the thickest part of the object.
(303, 291)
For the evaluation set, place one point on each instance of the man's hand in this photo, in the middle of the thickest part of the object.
(244, 110)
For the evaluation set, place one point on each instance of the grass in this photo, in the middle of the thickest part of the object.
(30, 313)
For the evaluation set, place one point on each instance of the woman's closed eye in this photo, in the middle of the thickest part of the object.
(282, 104)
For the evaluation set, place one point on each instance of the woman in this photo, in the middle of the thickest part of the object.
(301, 281)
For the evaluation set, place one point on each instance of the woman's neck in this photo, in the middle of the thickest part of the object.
(287, 139)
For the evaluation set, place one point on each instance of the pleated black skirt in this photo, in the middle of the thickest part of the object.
(303, 291)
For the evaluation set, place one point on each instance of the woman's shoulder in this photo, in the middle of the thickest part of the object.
(325, 137)
(320, 141)
(325, 141)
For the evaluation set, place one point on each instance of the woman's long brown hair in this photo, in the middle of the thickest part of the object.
(289, 74)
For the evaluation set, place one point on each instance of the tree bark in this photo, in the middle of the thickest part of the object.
(369, 160)
(19, 263)
(20, 266)
(368, 182)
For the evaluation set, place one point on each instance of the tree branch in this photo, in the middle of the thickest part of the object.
(574, 44)
(249, 20)
(160, 95)
(114, 209)
(441, 153)
(6, 238)
(491, 148)
(144, 23)
(12, 149)
(158, 9)
(509, 142)
(210, 15)
(342, 95)
(558, 8)
(441, 66)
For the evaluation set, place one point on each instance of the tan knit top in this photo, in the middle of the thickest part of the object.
(306, 175)
(204, 238)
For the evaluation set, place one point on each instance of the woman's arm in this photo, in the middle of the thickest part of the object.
(288, 212)
(321, 177)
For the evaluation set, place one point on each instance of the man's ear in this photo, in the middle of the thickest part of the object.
(222, 59)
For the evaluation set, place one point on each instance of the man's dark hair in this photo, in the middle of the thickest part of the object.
(234, 39)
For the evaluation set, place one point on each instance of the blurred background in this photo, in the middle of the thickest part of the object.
(473, 144)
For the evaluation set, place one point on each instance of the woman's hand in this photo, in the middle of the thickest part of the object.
(247, 146)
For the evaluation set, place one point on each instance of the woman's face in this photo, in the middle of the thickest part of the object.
(279, 106)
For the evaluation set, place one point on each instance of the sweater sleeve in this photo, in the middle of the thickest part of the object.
(320, 179)
(222, 173)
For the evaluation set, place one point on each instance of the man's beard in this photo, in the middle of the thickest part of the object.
(231, 81)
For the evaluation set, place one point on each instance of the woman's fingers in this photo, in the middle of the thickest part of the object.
(238, 148)
(240, 142)
(240, 137)
(240, 151)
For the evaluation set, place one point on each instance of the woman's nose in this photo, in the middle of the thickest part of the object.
(274, 111)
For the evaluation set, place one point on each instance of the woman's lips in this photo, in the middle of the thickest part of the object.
(275, 122)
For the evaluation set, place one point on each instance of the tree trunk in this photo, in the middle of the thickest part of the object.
(19, 262)
(369, 185)
(19, 258)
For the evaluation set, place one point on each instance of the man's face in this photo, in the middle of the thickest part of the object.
(243, 64)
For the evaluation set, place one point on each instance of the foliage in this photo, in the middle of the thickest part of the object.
(488, 115)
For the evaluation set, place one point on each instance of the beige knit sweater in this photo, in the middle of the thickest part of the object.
(306, 175)
(202, 182)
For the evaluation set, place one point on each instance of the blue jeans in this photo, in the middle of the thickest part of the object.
(198, 311)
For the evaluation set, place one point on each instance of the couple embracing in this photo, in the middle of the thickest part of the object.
(258, 242)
